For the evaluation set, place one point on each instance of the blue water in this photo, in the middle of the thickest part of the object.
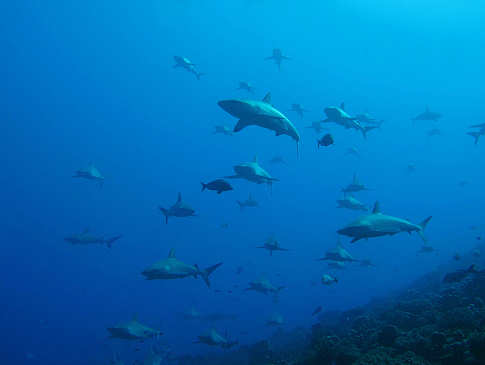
(93, 82)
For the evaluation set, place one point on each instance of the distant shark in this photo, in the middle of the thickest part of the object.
(248, 203)
(90, 173)
(354, 186)
(253, 172)
(186, 65)
(338, 254)
(264, 286)
(351, 203)
(243, 85)
(85, 238)
(278, 57)
(213, 338)
(272, 244)
(428, 115)
(298, 109)
(179, 209)
(377, 224)
(133, 330)
(172, 268)
(259, 113)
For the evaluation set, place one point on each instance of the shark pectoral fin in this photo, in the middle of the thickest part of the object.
(241, 124)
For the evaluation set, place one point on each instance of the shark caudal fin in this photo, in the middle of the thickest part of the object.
(110, 241)
(206, 272)
(204, 186)
(423, 225)
(241, 205)
(165, 213)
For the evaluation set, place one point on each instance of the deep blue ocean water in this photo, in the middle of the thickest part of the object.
(93, 82)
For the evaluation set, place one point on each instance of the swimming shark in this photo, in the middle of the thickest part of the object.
(253, 172)
(272, 244)
(260, 113)
(352, 203)
(249, 202)
(329, 279)
(85, 238)
(264, 286)
(278, 159)
(339, 116)
(243, 85)
(428, 115)
(213, 338)
(179, 209)
(338, 254)
(172, 268)
(368, 119)
(317, 127)
(133, 330)
(354, 186)
(90, 173)
(298, 109)
(377, 224)
(277, 56)
(187, 65)
(434, 132)
(275, 320)
(222, 129)
(353, 151)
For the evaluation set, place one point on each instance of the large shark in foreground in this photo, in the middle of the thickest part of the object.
(85, 238)
(179, 209)
(253, 172)
(377, 224)
(260, 113)
(171, 268)
(133, 330)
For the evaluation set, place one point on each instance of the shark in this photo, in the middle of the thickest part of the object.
(222, 129)
(298, 109)
(264, 286)
(317, 127)
(428, 115)
(243, 85)
(329, 279)
(354, 186)
(272, 244)
(184, 63)
(86, 238)
(275, 320)
(351, 202)
(477, 134)
(377, 224)
(278, 159)
(133, 330)
(434, 132)
(213, 338)
(248, 203)
(353, 151)
(338, 254)
(368, 119)
(260, 113)
(90, 173)
(277, 56)
(253, 172)
(172, 268)
(339, 116)
(180, 209)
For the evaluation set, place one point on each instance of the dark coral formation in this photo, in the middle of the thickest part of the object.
(430, 324)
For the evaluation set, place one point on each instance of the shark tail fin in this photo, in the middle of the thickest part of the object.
(423, 225)
(206, 272)
(165, 213)
(110, 241)
(204, 186)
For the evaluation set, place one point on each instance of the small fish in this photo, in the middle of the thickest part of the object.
(218, 185)
(317, 310)
(325, 141)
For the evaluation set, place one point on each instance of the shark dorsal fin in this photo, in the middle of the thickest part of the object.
(255, 159)
(267, 98)
(179, 197)
(377, 208)
(171, 253)
(342, 105)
